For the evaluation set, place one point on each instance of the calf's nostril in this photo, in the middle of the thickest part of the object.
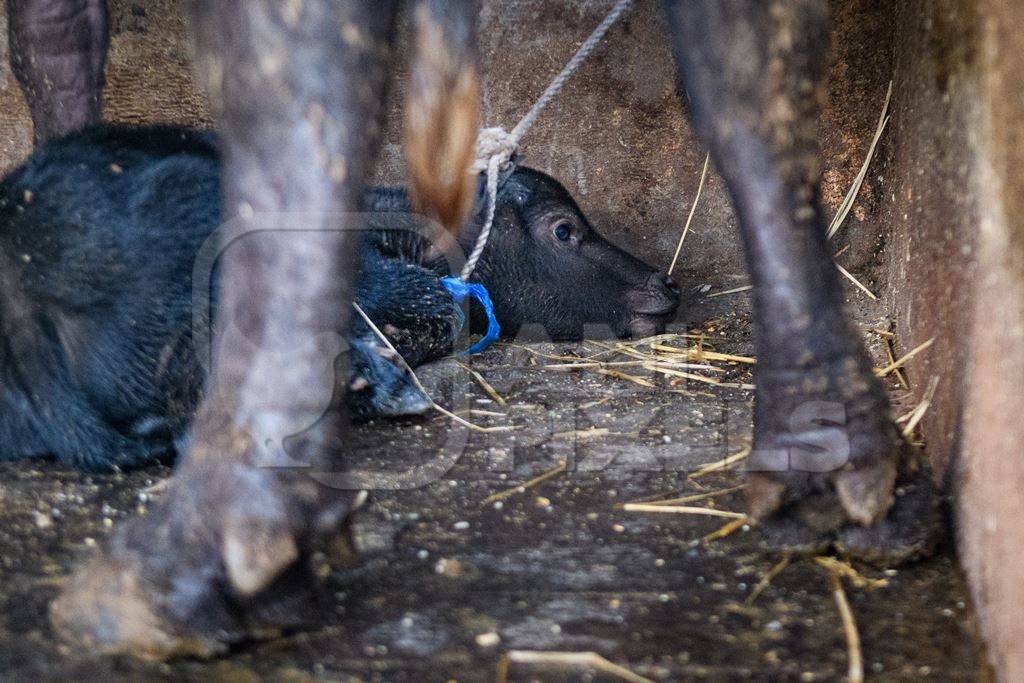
(670, 284)
(663, 285)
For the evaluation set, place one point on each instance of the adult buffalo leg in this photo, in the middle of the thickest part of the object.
(825, 452)
(58, 51)
(298, 87)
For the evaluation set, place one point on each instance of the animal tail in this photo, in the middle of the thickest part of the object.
(442, 110)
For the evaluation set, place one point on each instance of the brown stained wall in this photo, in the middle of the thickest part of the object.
(991, 473)
(956, 273)
(928, 203)
(617, 136)
(149, 77)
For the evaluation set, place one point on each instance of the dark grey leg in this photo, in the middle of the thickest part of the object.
(58, 52)
(299, 88)
(824, 446)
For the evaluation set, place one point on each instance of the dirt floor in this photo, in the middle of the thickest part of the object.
(450, 580)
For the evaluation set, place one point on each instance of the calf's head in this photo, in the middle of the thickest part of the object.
(545, 265)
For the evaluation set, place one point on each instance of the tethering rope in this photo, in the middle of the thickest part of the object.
(495, 146)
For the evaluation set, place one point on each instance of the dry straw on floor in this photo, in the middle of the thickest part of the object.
(563, 660)
(671, 356)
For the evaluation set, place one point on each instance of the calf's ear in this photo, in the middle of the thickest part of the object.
(442, 110)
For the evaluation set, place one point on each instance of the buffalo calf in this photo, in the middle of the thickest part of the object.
(100, 236)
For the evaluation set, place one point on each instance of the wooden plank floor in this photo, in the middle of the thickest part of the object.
(447, 583)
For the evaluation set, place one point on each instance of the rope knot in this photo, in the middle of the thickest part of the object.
(495, 146)
(494, 142)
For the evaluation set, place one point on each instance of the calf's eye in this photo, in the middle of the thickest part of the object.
(563, 231)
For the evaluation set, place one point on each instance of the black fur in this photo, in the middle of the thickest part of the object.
(99, 233)
(98, 237)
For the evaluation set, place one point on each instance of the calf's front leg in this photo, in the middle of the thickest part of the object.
(299, 88)
(825, 451)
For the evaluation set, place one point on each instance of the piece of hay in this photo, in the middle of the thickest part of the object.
(846, 569)
(583, 434)
(855, 669)
(540, 479)
(851, 195)
(722, 464)
(735, 290)
(629, 378)
(882, 372)
(683, 510)
(484, 384)
(585, 660)
(693, 498)
(900, 377)
(727, 530)
(915, 416)
(849, 276)
(766, 580)
(689, 219)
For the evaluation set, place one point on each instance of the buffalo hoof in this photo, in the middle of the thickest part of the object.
(909, 530)
(220, 558)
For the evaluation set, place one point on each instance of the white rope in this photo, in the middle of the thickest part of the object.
(495, 146)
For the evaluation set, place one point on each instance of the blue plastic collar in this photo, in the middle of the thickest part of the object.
(459, 291)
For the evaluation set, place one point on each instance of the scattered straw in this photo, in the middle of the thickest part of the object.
(851, 195)
(469, 425)
(882, 372)
(551, 356)
(766, 580)
(692, 362)
(881, 333)
(592, 365)
(736, 290)
(682, 510)
(727, 530)
(855, 669)
(672, 372)
(501, 674)
(593, 404)
(704, 354)
(484, 384)
(419, 385)
(693, 209)
(849, 276)
(695, 497)
(900, 377)
(540, 479)
(583, 434)
(487, 413)
(914, 416)
(585, 660)
(846, 570)
(722, 464)
(629, 378)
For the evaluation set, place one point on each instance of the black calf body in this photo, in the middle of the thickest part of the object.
(99, 239)
(100, 236)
